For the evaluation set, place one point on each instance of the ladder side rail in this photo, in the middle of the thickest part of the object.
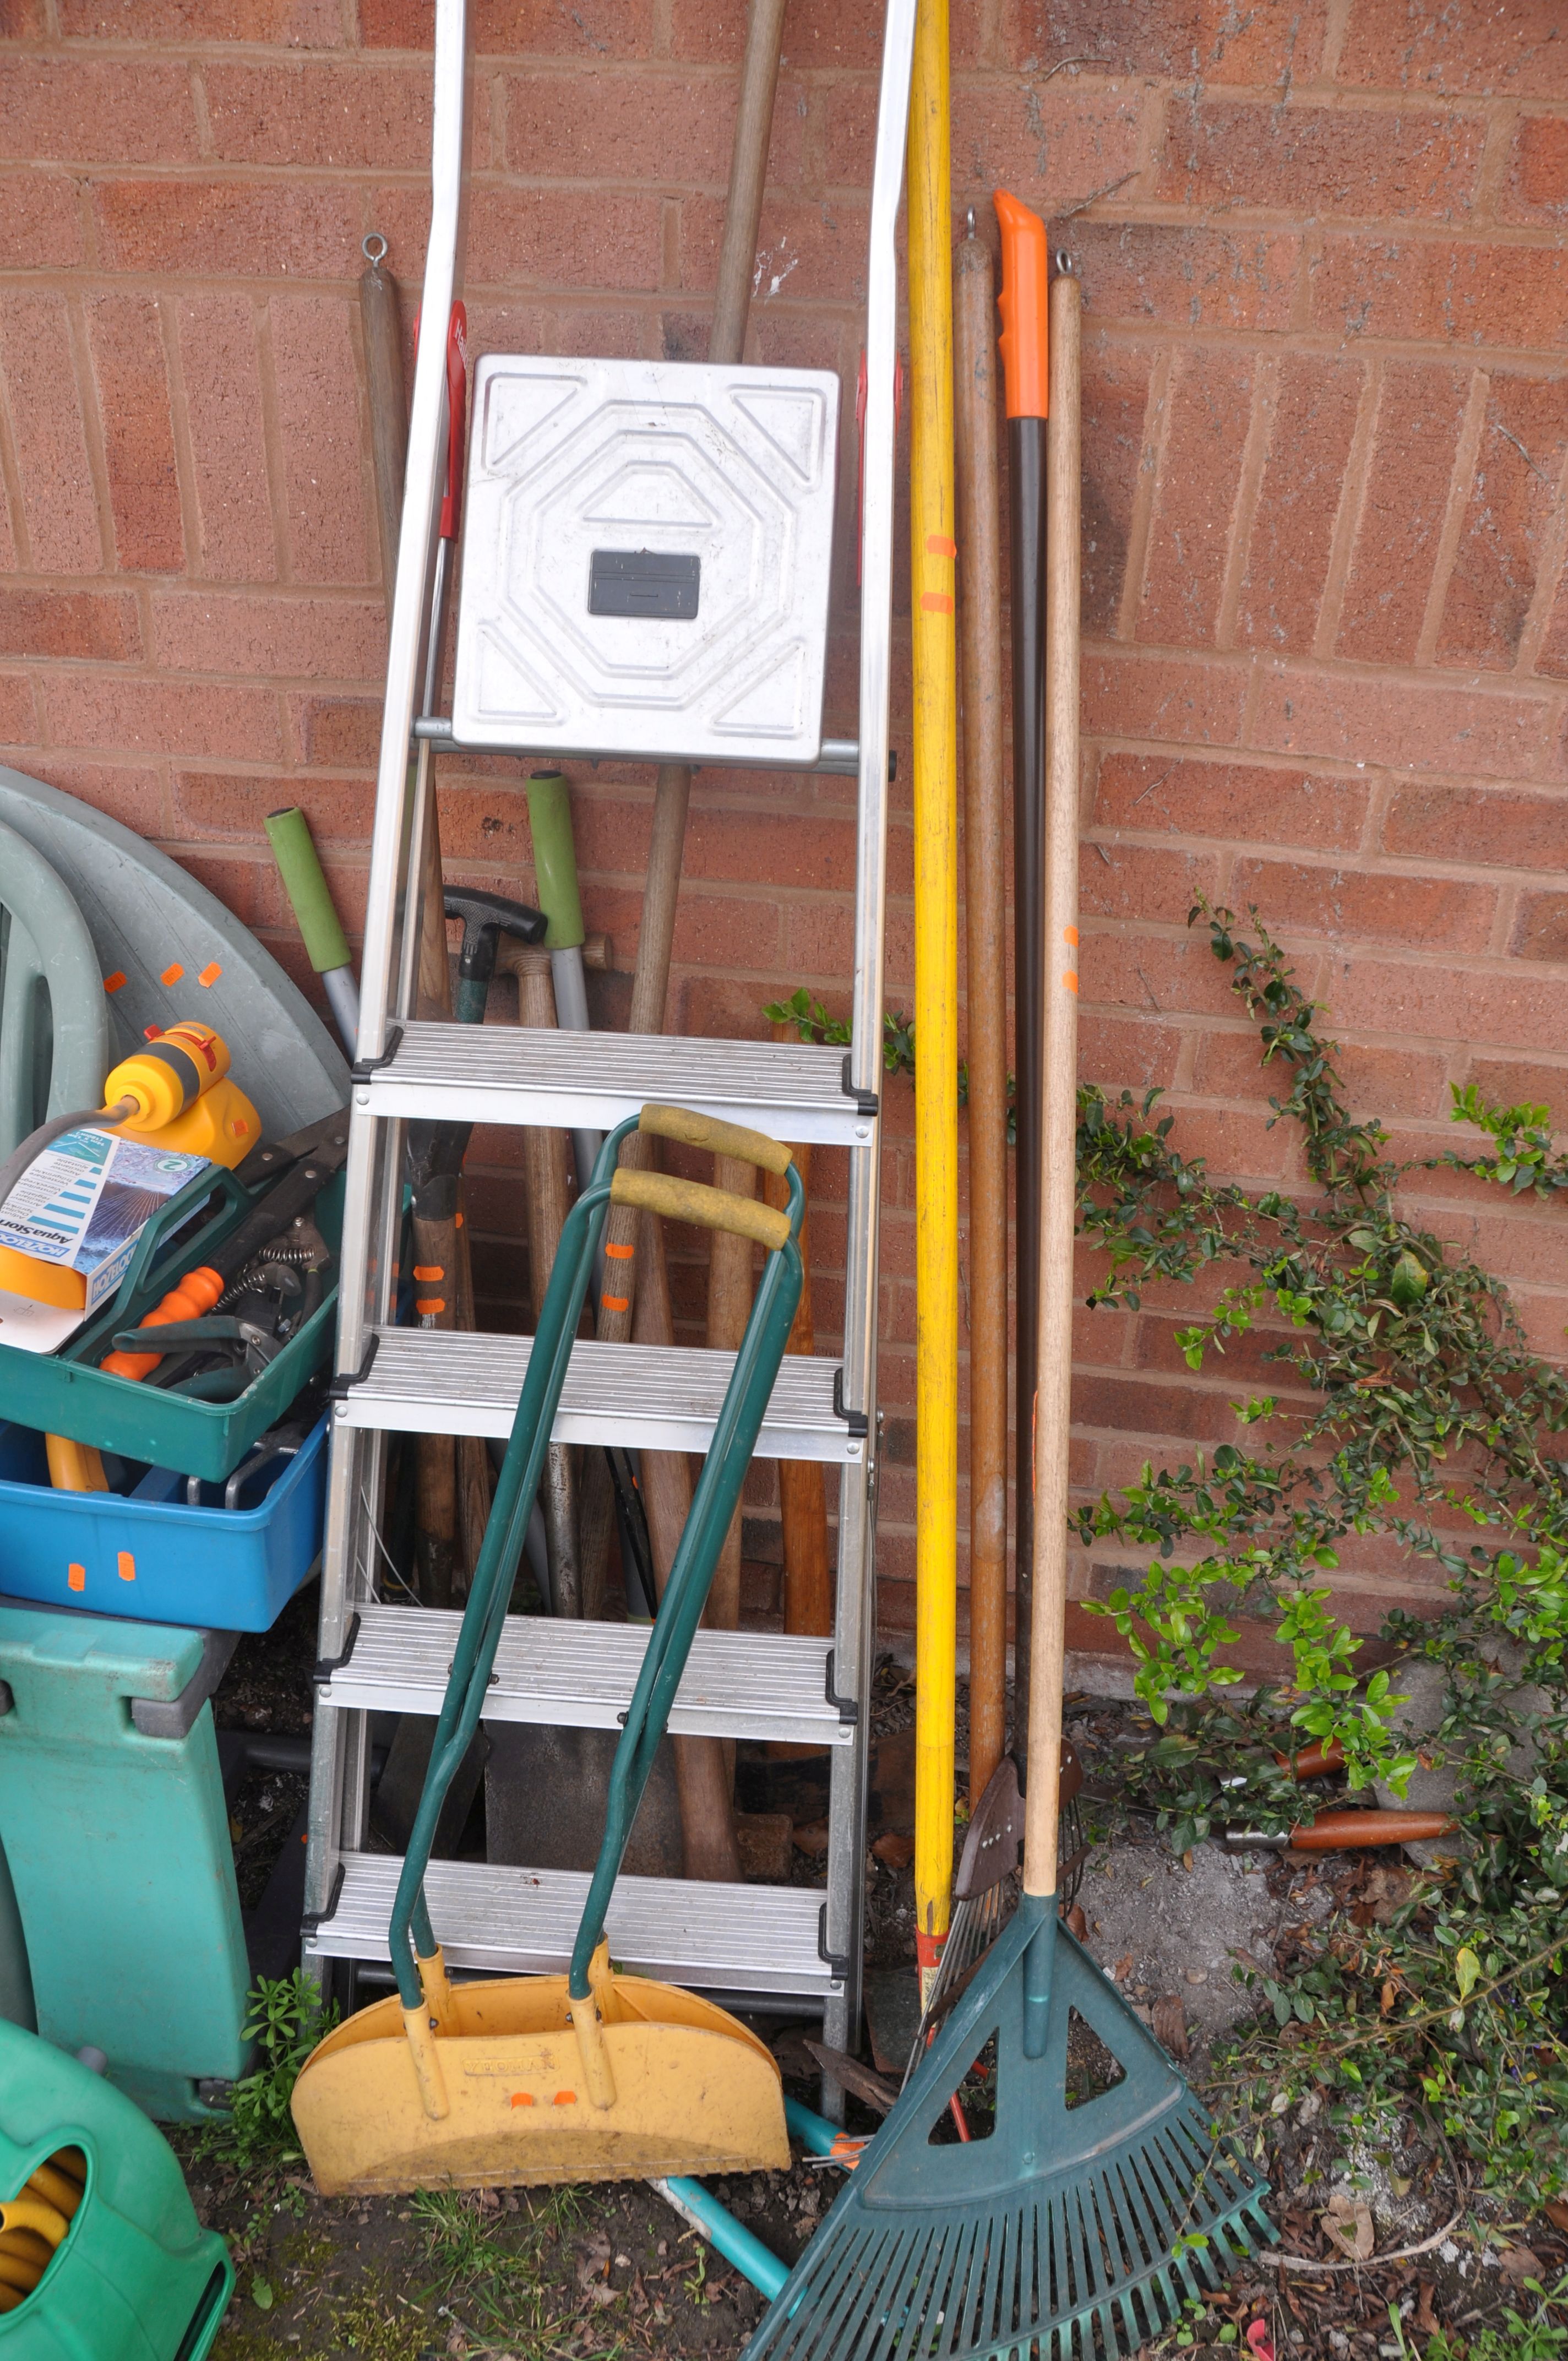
(854, 1627)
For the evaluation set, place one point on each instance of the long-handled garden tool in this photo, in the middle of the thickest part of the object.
(1025, 358)
(985, 805)
(1065, 2231)
(934, 645)
(593, 2075)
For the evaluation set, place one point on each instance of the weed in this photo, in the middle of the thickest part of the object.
(286, 2020)
(1538, 2338)
(380, 2324)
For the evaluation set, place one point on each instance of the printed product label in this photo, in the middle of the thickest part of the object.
(86, 1199)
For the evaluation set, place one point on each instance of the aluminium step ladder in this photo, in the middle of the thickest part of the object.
(758, 1946)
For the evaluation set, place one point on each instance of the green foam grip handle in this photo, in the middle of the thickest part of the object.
(289, 834)
(554, 860)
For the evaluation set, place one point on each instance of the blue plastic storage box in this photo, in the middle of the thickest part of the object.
(150, 1554)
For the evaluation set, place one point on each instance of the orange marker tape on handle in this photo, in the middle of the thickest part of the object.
(1026, 276)
(192, 1300)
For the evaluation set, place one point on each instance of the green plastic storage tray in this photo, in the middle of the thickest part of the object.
(67, 1392)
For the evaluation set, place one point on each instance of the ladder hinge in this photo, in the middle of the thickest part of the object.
(867, 1102)
(855, 1420)
(363, 1068)
(847, 1708)
(327, 1666)
(838, 1962)
(313, 1920)
(345, 1380)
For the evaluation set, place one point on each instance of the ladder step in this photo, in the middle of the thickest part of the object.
(516, 1073)
(761, 1938)
(658, 1398)
(581, 1676)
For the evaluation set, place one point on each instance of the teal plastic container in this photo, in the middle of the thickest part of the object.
(135, 2276)
(67, 1392)
(118, 1847)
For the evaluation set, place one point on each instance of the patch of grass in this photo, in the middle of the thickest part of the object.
(1538, 2338)
(488, 2266)
(380, 2324)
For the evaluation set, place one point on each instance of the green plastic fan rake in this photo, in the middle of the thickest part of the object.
(1065, 2233)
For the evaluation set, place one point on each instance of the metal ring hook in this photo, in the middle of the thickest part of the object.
(374, 240)
(1063, 261)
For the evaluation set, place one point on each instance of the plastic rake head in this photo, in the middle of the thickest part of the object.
(1068, 2233)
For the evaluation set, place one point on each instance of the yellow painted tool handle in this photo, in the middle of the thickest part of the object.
(425, 2052)
(693, 1201)
(598, 2080)
(723, 1138)
(1058, 1110)
(933, 632)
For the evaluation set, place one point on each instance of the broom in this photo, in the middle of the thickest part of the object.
(1064, 2231)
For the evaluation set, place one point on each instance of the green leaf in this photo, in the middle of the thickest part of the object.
(1467, 1971)
(1409, 1283)
(261, 2294)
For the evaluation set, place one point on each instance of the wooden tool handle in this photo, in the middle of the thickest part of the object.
(693, 1201)
(1058, 1112)
(721, 1138)
(1340, 1832)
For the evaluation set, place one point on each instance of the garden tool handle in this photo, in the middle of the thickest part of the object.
(1339, 1831)
(1023, 304)
(1058, 1110)
(722, 1138)
(694, 1200)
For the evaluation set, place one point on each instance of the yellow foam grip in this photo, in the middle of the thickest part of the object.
(693, 1201)
(722, 1138)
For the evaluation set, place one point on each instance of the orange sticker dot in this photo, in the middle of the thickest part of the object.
(565, 2099)
(127, 1566)
(1069, 934)
(935, 602)
(151, 1033)
(210, 973)
(619, 1254)
(939, 545)
(114, 983)
(76, 1575)
(457, 1222)
(429, 1270)
(172, 973)
(522, 2098)
(616, 1303)
(430, 1304)
(1071, 980)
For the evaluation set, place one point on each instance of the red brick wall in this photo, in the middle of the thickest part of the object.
(1327, 309)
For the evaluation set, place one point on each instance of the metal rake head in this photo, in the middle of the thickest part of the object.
(1068, 2233)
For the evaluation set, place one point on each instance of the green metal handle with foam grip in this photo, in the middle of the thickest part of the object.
(310, 896)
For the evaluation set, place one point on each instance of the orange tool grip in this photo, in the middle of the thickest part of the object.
(195, 1296)
(1340, 1832)
(1313, 1760)
(1026, 278)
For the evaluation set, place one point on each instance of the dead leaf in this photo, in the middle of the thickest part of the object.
(456, 2342)
(1518, 2264)
(1187, 1859)
(1556, 2210)
(1169, 2020)
(1348, 2221)
(601, 2293)
(812, 1838)
(1077, 1924)
(1123, 1968)
(1426, 2319)
(1390, 1995)
(893, 1849)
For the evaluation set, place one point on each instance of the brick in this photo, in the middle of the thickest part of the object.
(1377, 1081)
(1151, 696)
(1366, 906)
(325, 445)
(1115, 400)
(101, 625)
(22, 20)
(1473, 46)
(77, 109)
(60, 509)
(351, 117)
(1319, 163)
(1207, 40)
(1537, 185)
(518, 27)
(1436, 1001)
(245, 636)
(1314, 411)
(1209, 407)
(1157, 977)
(40, 222)
(1416, 435)
(247, 887)
(236, 803)
(1119, 1053)
(281, 24)
(1348, 717)
(93, 708)
(1518, 1082)
(1512, 509)
(1442, 291)
(1481, 827)
(126, 334)
(816, 250)
(219, 364)
(1552, 656)
(671, 129)
(228, 229)
(1232, 801)
(336, 731)
(1142, 881)
(1187, 1412)
(1198, 277)
(550, 238)
(1541, 927)
(130, 793)
(18, 724)
(1051, 147)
